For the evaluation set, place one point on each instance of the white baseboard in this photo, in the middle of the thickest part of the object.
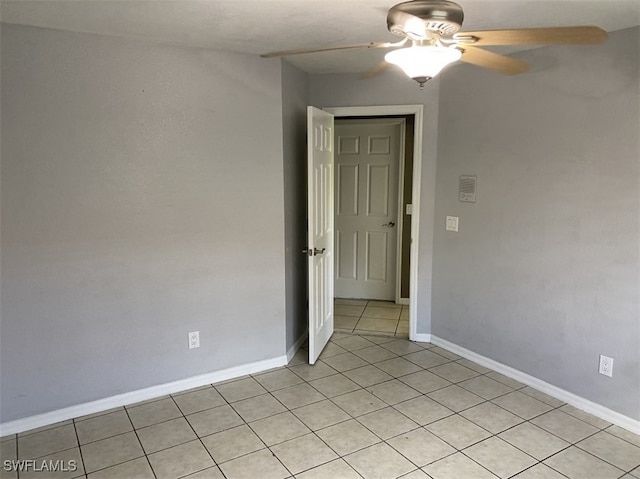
(294, 349)
(579, 402)
(421, 338)
(45, 419)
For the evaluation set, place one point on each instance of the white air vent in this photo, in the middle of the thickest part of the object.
(467, 191)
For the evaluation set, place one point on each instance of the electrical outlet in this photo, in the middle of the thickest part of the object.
(606, 366)
(194, 339)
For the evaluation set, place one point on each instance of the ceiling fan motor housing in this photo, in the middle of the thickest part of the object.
(439, 16)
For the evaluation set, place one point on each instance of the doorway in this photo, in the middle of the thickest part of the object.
(369, 161)
(410, 205)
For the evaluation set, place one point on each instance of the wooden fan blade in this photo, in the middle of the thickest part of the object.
(535, 36)
(493, 61)
(379, 68)
(326, 49)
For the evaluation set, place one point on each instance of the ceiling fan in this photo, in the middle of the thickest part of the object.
(432, 30)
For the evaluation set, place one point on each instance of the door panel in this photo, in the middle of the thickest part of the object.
(349, 145)
(321, 231)
(378, 190)
(367, 164)
(379, 145)
(376, 256)
(347, 254)
(347, 190)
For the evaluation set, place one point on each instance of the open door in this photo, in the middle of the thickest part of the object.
(320, 229)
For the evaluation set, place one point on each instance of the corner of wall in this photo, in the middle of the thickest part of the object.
(295, 98)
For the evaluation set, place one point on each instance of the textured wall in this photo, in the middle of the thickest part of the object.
(142, 198)
(544, 273)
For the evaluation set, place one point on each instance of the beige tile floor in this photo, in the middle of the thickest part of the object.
(363, 316)
(372, 407)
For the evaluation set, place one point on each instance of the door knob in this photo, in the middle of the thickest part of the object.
(390, 224)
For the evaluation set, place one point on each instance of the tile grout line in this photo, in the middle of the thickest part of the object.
(135, 431)
(249, 425)
(618, 437)
(199, 438)
(462, 410)
(75, 430)
(215, 463)
(355, 418)
(553, 408)
(393, 377)
(524, 420)
(18, 456)
(355, 330)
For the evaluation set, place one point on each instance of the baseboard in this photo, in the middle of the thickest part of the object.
(579, 402)
(294, 349)
(421, 338)
(45, 419)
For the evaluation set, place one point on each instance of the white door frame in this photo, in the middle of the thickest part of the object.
(418, 112)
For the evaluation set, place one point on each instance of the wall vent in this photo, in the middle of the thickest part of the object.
(467, 189)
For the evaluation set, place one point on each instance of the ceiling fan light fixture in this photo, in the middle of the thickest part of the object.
(423, 62)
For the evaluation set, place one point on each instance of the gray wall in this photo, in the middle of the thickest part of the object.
(295, 98)
(544, 273)
(142, 198)
(394, 88)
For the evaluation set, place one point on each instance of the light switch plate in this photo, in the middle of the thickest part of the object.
(409, 209)
(452, 223)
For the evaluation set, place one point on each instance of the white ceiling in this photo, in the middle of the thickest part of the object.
(259, 26)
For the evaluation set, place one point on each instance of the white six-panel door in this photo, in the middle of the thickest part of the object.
(320, 229)
(367, 161)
